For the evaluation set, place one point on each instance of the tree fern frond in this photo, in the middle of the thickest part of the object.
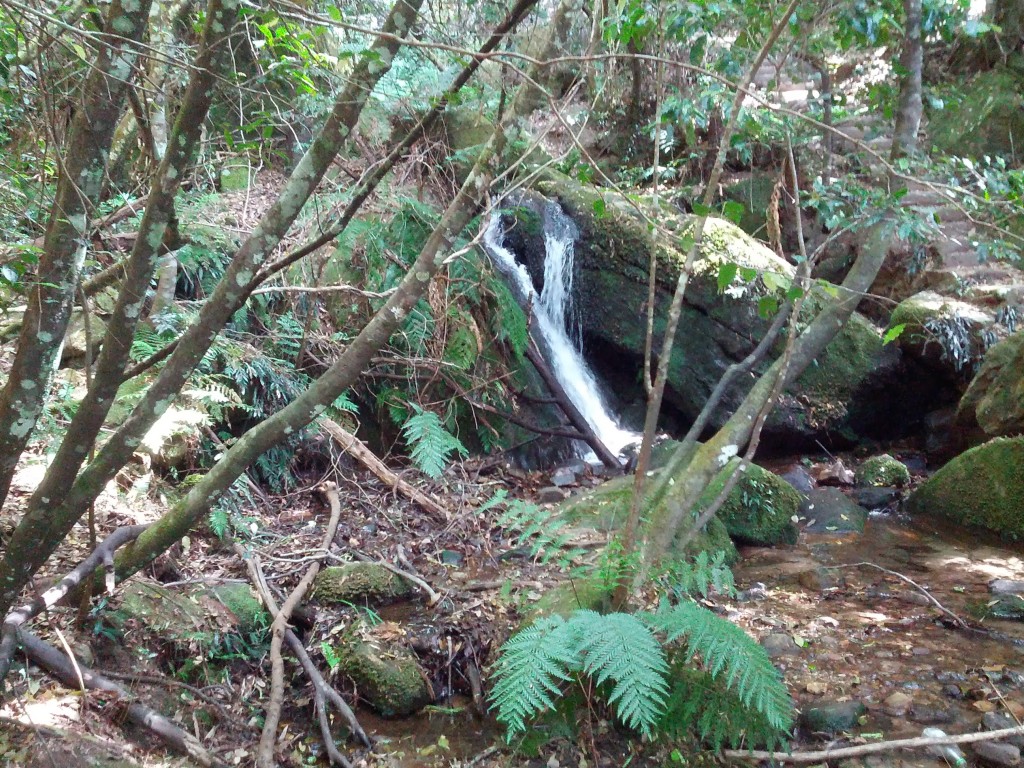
(620, 648)
(432, 445)
(724, 647)
(532, 665)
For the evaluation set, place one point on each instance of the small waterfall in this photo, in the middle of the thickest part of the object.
(555, 322)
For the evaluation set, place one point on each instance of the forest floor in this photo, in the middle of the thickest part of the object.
(840, 632)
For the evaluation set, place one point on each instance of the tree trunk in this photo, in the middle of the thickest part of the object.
(910, 108)
(42, 527)
(49, 306)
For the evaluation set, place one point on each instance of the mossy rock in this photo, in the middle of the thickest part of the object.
(360, 584)
(989, 120)
(993, 405)
(981, 487)
(760, 508)
(590, 593)
(944, 333)
(390, 680)
(606, 507)
(191, 614)
(829, 510)
(883, 470)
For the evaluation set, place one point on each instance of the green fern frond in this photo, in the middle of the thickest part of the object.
(618, 647)
(530, 670)
(541, 529)
(432, 445)
(704, 575)
(509, 322)
(725, 648)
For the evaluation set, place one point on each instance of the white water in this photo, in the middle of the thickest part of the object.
(556, 323)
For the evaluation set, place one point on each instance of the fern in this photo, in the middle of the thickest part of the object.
(618, 647)
(701, 577)
(509, 321)
(542, 530)
(432, 445)
(532, 665)
(725, 648)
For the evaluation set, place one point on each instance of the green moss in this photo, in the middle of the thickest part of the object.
(981, 487)
(994, 402)
(247, 607)
(593, 594)
(759, 509)
(389, 680)
(845, 363)
(883, 470)
(359, 583)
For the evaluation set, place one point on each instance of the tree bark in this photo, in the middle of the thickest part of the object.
(910, 107)
(42, 528)
(78, 189)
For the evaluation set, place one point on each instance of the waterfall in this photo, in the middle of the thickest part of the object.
(556, 323)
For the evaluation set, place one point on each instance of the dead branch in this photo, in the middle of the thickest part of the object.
(104, 554)
(870, 749)
(322, 692)
(265, 756)
(355, 447)
(432, 596)
(58, 664)
(569, 408)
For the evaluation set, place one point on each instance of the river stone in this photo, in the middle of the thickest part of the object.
(993, 404)
(997, 721)
(875, 497)
(359, 584)
(997, 753)
(562, 477)
(1006, 587)
(981, 487)
(832, 717)
(551, 495)
(798, 477)
(882, 470)
(829, 510)
(897, 703)
(778, 644)
(760, 508)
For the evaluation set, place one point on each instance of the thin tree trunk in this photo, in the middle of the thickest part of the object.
(910, 108)
(49, 306)
(42, 528)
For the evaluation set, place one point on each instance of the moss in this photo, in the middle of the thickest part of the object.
(994, 401)
(845, 363)
(981, 487)
(241, 601)
(562, 600)
(359, 583)
(389, 680)
(883, 470)
(759, 509)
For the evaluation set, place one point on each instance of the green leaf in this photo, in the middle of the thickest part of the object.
(767, 306)
(893, 333)
(700, 209)
(733, 211)
(726, 274)
(599, 208)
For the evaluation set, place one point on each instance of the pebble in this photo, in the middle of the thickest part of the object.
(550, 495)
(832, 717)
(953, 691)
(926, 715)
(562, 477)
(997, 753)
(897, 703)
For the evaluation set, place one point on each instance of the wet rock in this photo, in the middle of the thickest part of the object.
(799, 478)
(778, 644)
(993, 404)
(760, 508)
(577, 466)
(997, 753)
(897, 704)
(551, 495)
(829, 510)
(818, 580)
(996, 721)
(388, 679)
(832, 717)
(756, 592)
(562, 477)
(882, 470)
(451, 557)
(929, 715)
(982, 487)
(360, 583)
(1006, 587)
(875, 497)
(953, 691)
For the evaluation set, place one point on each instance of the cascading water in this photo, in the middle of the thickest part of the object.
(555, 321)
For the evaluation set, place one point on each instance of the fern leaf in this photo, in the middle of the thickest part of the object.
(725, 648)
(618, 647)
(530, 670)
(432, 445)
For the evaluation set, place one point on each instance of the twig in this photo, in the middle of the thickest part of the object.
(433, 596)
(869, 749)
(956, 619)
(265, 755)
(45, 655)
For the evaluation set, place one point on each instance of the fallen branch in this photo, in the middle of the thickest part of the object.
(870, 749)
(265, 755)
(432, 596)
(58, 664)
(355, 447)
(956, 619)
(104, 554)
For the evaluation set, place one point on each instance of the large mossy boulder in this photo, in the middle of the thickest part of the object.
(760, 508)
(360, 584)
(993, 405)
(981, 487)
(717, 329)
(944, 333)
(989, 120)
